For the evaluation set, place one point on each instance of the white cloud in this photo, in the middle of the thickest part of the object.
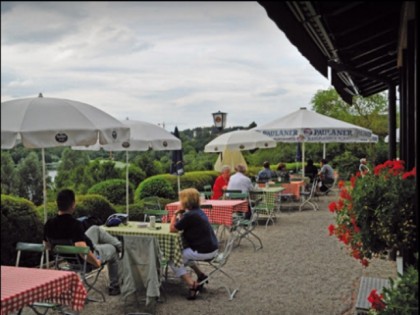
(172, 62)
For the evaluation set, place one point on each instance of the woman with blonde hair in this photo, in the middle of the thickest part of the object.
(200, 241)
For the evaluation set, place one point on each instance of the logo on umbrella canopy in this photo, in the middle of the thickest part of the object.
(114, 134)
(165, 144)
(61, 137)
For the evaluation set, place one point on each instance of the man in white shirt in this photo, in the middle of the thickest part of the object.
(239, 181)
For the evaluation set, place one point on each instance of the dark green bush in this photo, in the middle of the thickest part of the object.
(19, 222)
(114, 190)
(190, 179)
(154, 186)
(93, 205)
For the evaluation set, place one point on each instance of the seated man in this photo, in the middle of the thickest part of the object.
(266, 174)
(326, 175)
(104, 247)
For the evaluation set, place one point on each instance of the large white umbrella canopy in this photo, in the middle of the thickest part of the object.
(43, 122)
(309, 126)
(144, 136)
(240, 140)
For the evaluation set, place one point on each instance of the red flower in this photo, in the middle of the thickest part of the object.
(331, 229)
(409, 174)
(341, 184)
(332, 207)
(365, 262)
(376, 300)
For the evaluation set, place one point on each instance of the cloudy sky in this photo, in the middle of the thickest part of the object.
(171, 63)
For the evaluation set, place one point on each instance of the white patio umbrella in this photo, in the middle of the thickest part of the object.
(309, 126)
(43, 122)
(144, 136)
(397, 136)
(240, 140)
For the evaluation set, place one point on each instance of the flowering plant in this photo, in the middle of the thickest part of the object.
(375, 213)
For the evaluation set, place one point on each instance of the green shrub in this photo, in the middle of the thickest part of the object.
(19, 222)
(154, 186)
(93, 205)
(114, 190)
(190, 179)
(51, 210)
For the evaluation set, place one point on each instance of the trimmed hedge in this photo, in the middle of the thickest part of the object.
(19, 223)
(93, 205)
(158, 185)
(114, 190)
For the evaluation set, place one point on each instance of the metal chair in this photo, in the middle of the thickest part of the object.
(264, 204)
(244, 227)
(74, 258)
(228, 192)
(309, 196)
(217, 264)
(24, 247)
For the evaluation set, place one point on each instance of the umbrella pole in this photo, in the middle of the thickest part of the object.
(324, 150)
(179, 183)
(126, 182)
(44, 184)
(303, 159)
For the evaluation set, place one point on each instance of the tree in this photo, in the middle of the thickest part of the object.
(9, 180)
(30, 179)
(70, 161)
(368, 112)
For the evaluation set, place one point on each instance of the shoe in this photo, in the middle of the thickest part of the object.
(193, 292)
(114, 291)
(200, 279)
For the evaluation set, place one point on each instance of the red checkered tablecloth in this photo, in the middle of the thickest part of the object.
(22, 286)
(220, 214)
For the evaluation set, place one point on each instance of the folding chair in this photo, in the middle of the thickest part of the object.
(228, 192)
(32, 248)
(217, 264)
(74, 258)
(152, 207)
(244, 227)
(309, 196)
(39, 248)
(208, 191)
(263, 203)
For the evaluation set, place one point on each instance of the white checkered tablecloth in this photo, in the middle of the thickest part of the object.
(22, 286)
(220, 214)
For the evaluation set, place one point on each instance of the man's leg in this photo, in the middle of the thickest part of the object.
(99, 236)
(108, 254)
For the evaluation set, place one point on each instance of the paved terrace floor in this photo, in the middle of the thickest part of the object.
(301, 270)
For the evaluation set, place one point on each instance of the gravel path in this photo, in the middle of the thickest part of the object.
(301, 270)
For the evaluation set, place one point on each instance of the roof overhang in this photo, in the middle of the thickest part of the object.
(359, 41)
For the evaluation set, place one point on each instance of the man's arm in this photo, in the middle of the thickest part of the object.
(90, 257)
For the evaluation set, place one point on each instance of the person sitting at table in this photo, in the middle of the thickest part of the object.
(282, 172)
(266, 174)
(103, 246)
(221, 182)
(311, 170)
(200, 241)
(239, 181)
(326, 175)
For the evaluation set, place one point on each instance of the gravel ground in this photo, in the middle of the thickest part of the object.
(301, 270)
